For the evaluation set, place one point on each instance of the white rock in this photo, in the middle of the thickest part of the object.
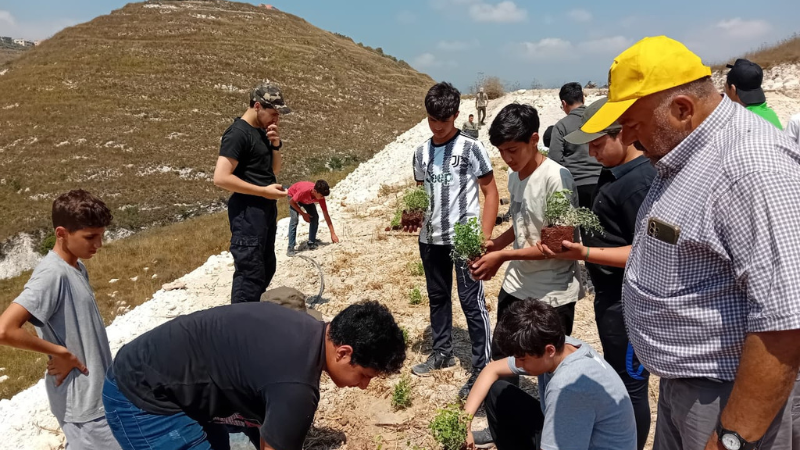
(113, 280)
(135, 278)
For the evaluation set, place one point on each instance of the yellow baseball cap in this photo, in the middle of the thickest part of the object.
(651, 65)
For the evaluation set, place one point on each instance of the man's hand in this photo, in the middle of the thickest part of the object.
(714, 443)
(61, 364)
(273, 136)
(470, 440)
(334, 238)
(490, 246)
(410, 229)
(486, 267)
(573, 251)
(306, 216)
(274, 192)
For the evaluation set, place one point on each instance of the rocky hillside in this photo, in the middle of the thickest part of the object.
(781, 64)
(131, 106)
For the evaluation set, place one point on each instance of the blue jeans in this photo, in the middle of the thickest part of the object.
(294, 217)
(136, 429)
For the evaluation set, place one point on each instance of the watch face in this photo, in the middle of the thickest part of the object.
(730, 442)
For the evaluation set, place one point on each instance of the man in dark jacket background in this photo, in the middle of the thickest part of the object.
(585, 169)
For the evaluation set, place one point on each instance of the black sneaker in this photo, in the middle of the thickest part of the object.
(437, 361)
(291, 252)
(312, 245)
(463, 393)
(483, 438)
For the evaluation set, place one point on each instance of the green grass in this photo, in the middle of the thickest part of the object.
(416, 269)
(137, 101)
(449, 427)
(414, 296)
(401, 396)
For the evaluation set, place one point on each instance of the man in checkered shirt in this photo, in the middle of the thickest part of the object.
(712, 285)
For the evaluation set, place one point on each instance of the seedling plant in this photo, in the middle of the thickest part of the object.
(561, 218)
(449, 427)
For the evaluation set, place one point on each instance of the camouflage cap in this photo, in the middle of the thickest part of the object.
(270, 96)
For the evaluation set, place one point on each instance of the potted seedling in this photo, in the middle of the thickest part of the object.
(411, 210)
(415, 205)
(449, 427)
(467, 242)
(561, 218)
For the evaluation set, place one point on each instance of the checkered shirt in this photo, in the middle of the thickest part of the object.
(733, 188)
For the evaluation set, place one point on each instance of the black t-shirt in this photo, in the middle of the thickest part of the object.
(251, 148)
(259, 360)
(620, 192)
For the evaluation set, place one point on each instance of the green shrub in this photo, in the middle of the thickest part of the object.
(401, 397)
(47, 244)
(449, 427)
(414, 296)
(468, 241)
(560, 212)
(405, 335)
(416, 199)
(398, 216)
(416, 269)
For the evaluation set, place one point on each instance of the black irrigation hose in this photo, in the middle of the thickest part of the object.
(316, 301)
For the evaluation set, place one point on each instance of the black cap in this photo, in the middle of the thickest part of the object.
(747, 77)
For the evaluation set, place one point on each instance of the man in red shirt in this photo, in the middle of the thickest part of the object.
(302, 196)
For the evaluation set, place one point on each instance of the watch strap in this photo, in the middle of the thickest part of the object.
(744, 445)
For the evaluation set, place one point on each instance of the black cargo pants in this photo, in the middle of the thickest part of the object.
(253, 226)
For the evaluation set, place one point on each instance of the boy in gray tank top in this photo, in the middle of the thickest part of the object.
(60, 304)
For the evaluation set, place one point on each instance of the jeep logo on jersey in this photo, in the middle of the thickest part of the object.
(443, 178)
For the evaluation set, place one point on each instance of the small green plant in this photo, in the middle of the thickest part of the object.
(544, 151)
(449, 427)
(398, 216)
(560, 213)
(416, 199)
(414, 296)
(401, 397)
(416, 269)
(47, 244)
(468, 241)
(405, 335)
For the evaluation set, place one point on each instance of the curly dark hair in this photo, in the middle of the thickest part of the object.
(527, 327)
(78, 209)
(442, 101)
(515, 123)
(370, 329)
(321, 186)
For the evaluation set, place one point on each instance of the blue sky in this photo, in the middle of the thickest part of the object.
(519, 41)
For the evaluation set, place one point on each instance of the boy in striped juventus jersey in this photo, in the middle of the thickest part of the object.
(453, 167)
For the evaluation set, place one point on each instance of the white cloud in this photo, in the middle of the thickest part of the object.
(456, 46)
(614, 44)
(744, 29)
(6, 17)
(406, 18)
(503, 12)
(557, 49)
(481, 11)
(429, 61)
(579, 15)
(547, 48)
(39, 29)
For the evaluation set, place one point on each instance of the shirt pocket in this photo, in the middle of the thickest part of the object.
(658, 273)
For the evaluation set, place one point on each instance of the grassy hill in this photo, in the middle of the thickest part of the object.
(786, 51)
(131, 106)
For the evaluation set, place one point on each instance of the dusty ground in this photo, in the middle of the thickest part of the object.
(365, 418)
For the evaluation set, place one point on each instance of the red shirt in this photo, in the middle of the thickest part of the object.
(301, 193)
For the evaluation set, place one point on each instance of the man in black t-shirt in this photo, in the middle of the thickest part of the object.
(248, 162)
(254, 363)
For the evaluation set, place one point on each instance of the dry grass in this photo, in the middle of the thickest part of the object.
(168, 252)
(131, 107)
(8, 55)
(785, 51)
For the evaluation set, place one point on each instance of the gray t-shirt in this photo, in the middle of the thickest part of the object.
(62, 304)
(585, 404)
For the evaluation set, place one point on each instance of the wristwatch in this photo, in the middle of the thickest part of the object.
(278, 147)
(731, 440)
